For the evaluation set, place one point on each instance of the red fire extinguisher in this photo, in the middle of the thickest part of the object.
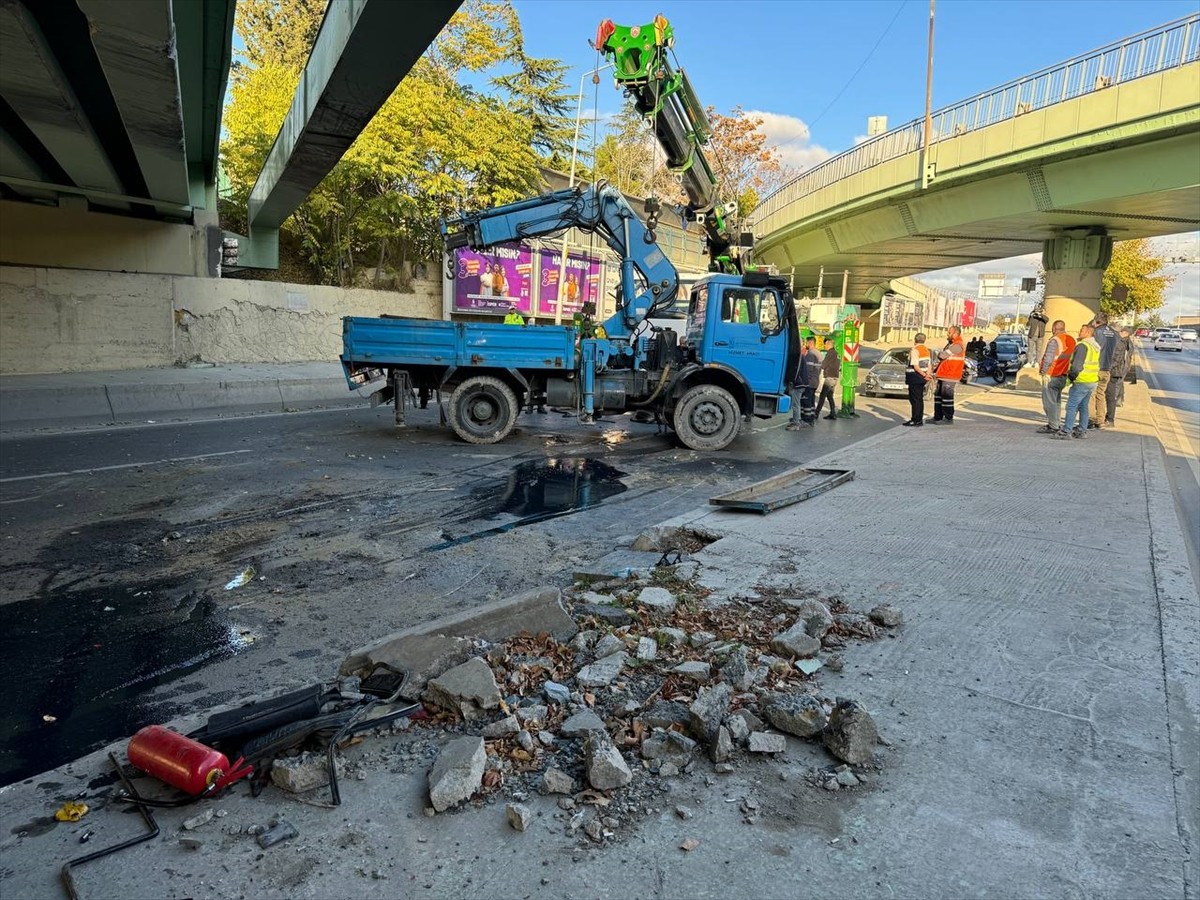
(181, 762)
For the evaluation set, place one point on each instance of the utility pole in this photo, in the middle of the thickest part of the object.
(926, 171)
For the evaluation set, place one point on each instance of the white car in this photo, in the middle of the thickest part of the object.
(1188, 334)
(1169, 341)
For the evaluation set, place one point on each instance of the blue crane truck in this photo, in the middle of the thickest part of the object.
(734, 360)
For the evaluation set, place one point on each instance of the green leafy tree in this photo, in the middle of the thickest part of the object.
(1135, 268)
(537, 91)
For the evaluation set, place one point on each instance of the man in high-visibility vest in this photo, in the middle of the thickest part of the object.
(917, 376)
(949, 373)
(513, 317)
(1053, 368)
(1084, 374)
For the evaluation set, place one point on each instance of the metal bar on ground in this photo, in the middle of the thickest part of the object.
(784, 489)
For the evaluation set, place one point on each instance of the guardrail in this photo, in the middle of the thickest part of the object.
(1168, 46)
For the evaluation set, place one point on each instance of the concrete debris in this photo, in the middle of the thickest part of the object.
(798, 714)
(766, 742)
(458, 772)
(851, 734)
(809, 666)
(647, 649)
(607, 646)
(813, 615)
(306, 772)
(886, 615)
(556, 781)
(738, 732)
(752, 722)
(847, 779)
(525, 740)
(856, 624)
(598, 598)
(736, 672)
(556, 693)
(708, 711)
(566, 803)
(683, 812)
(722, 748)
(668, 745)
(689, 845)
(584, 641)
(194, 822)
(594, 830)
(658, 600)
(696, 671)
(665, 713)
(606, 768)
(276, 834)
(668, 770)
(581, 724)
(602, 672)
(532, 715)
(795, 642)
(702, 638)
(468, 689)
(613, 615)
(519, 816)
(673, 637)
(506, 726)
(723, 768)
(546, 739)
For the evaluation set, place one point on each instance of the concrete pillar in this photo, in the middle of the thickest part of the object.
(1075, 262)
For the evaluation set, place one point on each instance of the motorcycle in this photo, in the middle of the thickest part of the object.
(991, 367)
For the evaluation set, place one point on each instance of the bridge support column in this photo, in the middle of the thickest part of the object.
(1075, 262)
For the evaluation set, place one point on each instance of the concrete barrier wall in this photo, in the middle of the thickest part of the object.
(75, 320)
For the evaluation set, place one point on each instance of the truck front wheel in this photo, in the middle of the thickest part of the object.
(707, 418)
(483, 410)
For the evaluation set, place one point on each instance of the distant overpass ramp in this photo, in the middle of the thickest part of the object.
(1107, 143)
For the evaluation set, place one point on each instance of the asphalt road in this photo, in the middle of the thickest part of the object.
(116, 546)
(1174, 382)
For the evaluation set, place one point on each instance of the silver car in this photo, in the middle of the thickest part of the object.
(886, 377)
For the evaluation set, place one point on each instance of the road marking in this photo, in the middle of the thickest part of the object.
(136, 465)
(1168, 422)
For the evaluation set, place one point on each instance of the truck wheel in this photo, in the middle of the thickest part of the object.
(707, 418)
(483, 410)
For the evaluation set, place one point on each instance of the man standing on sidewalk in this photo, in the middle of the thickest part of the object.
(1083, 374)
(918, 375)
(804, 394)
(1053, 369)
(1106, 338)
(831, 368)
(1036, 334)
(1122, 359)
(949, 372)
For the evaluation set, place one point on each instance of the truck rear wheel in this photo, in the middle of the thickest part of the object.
(483, 410)
(707, 418)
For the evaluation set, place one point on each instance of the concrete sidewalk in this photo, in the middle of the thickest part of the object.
(1040, 705)
(176, 393)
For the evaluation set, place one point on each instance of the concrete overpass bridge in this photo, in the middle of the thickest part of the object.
(1100, 147)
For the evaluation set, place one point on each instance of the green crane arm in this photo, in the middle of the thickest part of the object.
(664, 96)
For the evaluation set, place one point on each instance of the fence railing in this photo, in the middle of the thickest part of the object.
(1174, 44)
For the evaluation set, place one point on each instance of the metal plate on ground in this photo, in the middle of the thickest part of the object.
(784, 489)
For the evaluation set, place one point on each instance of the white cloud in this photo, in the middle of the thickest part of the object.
(791, 136)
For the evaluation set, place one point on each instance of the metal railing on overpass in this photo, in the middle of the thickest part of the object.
(1174, 44)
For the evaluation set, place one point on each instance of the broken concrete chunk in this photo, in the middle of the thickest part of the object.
(795, 642)
(606, 768)
(194, 822)
(556, 781)
(647, 649)
(532, 715)
(657, 600)
(673, 637)
(607, 646)
(696, 671)
(702, 638)
(766, 742)
(519, 816)
(753, 722)
(602, 672)
(847, 779)
(809, 666)
(708, 711)
(721, 748)
(506, 726)
(813, 615)
(613, 615)
(668, 744)
(556, 693)
(798, 714)
(736, 672)
(582, 723)
(457, 773)
(525, 740)
(856, 624)
(738, 732)
(665, 713)
(584, 640)
(283, 831)
(306, 772)
(851, 734)
(468, 688)
(886, 615)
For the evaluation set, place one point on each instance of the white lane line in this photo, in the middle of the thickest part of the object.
(1182, 442)
(135, 465)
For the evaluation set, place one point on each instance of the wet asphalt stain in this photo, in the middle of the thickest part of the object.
(537, 491)
(88, 659)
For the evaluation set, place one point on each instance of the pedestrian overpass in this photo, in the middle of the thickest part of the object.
(1103, 146)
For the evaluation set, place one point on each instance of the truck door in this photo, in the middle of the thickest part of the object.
(747, 334)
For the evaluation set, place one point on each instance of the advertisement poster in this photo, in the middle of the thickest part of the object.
(489, 282)
(968, 314)
(582, 282)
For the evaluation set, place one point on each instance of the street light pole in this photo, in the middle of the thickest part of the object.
(928, 104)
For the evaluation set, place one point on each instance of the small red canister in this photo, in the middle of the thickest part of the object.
(177, 760)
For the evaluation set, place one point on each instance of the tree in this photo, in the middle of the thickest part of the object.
(1135, 267)
(537, 91)
(740, 157)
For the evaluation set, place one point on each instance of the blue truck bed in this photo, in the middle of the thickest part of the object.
(369, 343)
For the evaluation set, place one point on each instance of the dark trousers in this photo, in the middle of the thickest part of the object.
(1114, 394)
(827, 394)
(943, 400)
(916, 400)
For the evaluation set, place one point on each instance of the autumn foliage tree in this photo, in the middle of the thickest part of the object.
(1135, 267)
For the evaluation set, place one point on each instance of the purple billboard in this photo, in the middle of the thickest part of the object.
(490, 282)
(581, 282)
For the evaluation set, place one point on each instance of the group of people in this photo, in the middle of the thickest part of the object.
(814, 373)
(942, 372)
(977, 347)
(1095, 365)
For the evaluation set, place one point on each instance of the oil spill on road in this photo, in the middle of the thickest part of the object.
(536, 491)
(89, 658)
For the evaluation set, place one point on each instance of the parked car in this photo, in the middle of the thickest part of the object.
(1169, 341)
(1188, 334)
(1142, 332)
(886, 377)
(1011, 352)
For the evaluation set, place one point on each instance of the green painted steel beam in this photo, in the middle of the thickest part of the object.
(363, 50)
(204, 41)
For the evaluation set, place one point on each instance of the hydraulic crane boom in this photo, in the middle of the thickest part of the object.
(662, 94)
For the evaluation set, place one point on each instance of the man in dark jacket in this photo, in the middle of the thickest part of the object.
(831, 368)
(1037, 334)
(1122, 359)
(804, 391)
(1106, 337)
